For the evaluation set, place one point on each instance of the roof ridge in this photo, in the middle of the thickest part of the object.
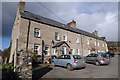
(42, 19)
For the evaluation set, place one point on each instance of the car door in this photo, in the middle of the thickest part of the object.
(66, 60)
(59, 61)
(94, 58)
(88, 58)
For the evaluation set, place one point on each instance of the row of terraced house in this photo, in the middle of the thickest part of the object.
(29, 30)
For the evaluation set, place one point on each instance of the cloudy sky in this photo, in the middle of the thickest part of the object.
(90, 16)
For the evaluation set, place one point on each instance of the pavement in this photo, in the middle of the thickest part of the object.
(91, 71)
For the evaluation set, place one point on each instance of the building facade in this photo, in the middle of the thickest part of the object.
(30, 30)
(113, 45)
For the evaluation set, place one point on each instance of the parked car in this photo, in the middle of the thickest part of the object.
(52, 57)
(111, 54)
(70, 61)
(98, 59)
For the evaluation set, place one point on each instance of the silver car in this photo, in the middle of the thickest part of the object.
(99, 58)
(69, 61)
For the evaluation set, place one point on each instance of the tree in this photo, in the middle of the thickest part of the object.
(6, 53)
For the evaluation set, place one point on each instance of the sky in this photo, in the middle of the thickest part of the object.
(89, 16)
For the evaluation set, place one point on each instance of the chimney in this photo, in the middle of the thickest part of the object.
(21, 5)
(72, 24)
(95, 33)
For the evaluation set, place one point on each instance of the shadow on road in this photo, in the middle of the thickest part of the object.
(37, 74)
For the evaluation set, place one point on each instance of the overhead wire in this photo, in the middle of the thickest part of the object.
(51, 11)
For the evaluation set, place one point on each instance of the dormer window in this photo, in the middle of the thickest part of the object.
(37, 32)
(57, 36)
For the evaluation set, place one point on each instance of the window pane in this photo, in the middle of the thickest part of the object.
(61, 57)
(63, 37)
(47, 50)
(56, 36)
(67, 57)
(76, 57)
(36, 48)
(37, 32)
(77, 39)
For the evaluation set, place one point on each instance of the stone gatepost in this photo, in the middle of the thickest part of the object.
(24, 64)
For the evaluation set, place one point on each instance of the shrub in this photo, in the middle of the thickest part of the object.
(7, 66)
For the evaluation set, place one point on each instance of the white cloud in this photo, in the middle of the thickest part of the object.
(109, 27)
(110, 18)
(88, 22)
(105, 24)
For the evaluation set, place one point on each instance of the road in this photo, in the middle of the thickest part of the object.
(91, 71)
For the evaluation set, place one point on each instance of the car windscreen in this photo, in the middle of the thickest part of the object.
(53, 57)
(104, 55)
(76, 57)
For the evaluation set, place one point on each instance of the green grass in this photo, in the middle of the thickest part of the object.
(7, 66)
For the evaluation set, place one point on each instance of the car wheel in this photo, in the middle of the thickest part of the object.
(97, 63)
(69, 67)
(53, 64)
(83, 67)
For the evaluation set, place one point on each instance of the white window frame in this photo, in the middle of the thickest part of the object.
(95, 43)
(103, 45)
(37, 50)
(98, 44)
(89, 51)
(57, 36)
(37, 30)
(77, 40)
(48, 49)
(65, 38)
(88, 42)
(54, 51)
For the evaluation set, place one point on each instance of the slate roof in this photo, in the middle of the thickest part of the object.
(60, 43)
(41, 19)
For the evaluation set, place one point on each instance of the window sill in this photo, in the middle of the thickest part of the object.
(65, 40)
(57, 40)
(37, 37)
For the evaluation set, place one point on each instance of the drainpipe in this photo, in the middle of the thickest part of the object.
(28, 36)
(42, 51)
(82, 45)
(16, 51)
(97, 45)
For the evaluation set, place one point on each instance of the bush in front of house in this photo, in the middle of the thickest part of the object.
(8, 73)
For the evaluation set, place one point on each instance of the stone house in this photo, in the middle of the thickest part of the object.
(29, 30)
(113, 45)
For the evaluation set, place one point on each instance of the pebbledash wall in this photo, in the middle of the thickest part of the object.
(30, 29)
